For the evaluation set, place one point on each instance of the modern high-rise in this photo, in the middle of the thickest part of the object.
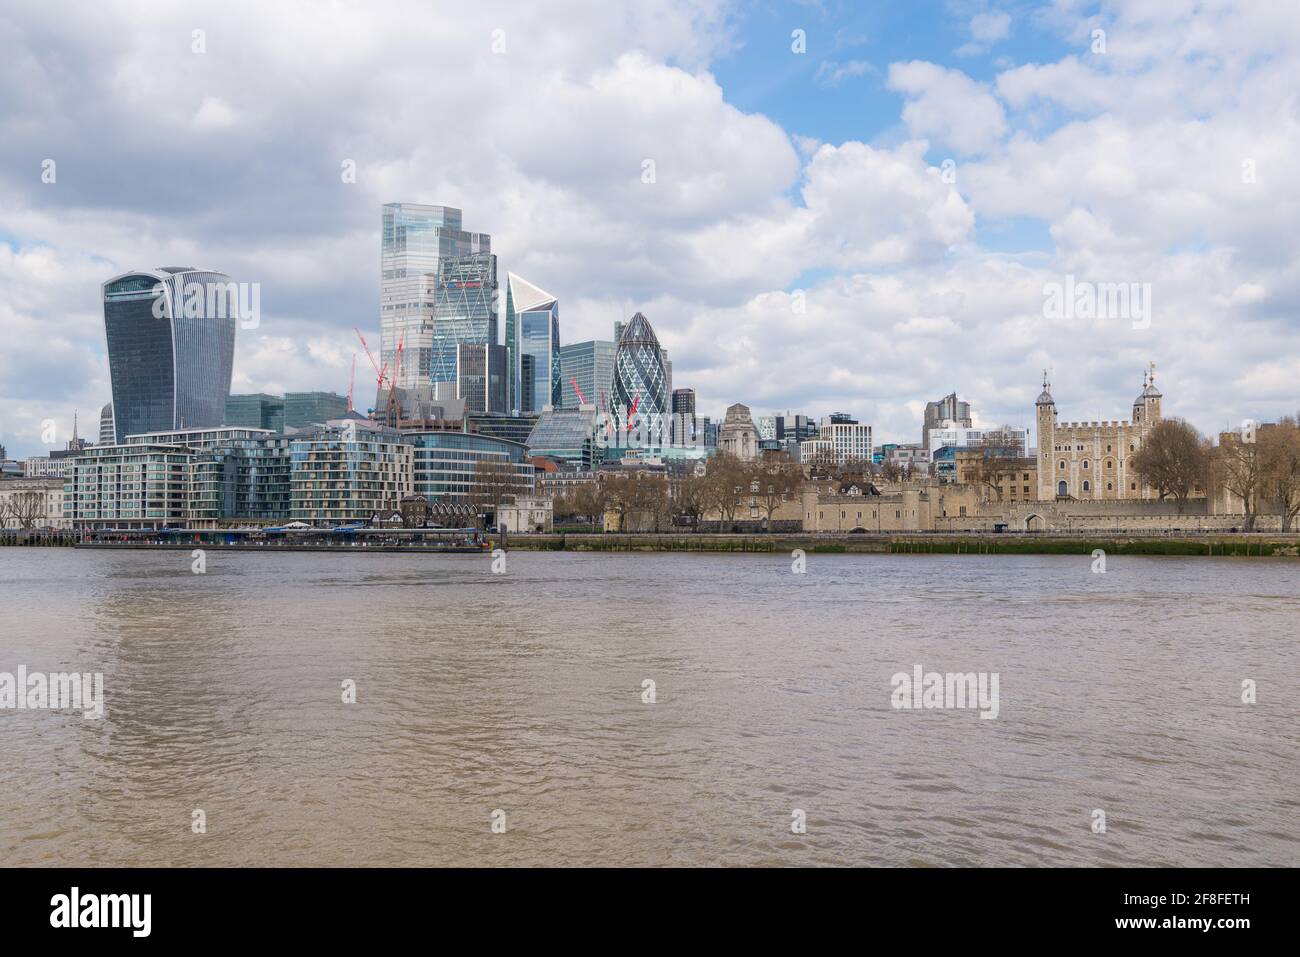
(438, 286)
(170, 334)
(850, 440)
(533, 317)
(683, 400)
(640, 382)
(482, 377)
(948, 411)
(588, 369)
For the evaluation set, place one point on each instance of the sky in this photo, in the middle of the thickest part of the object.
(820, 206)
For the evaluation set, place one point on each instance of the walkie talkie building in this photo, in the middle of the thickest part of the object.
(170, 334)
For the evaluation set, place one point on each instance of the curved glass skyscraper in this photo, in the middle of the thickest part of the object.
(640, 387)
(170, 334)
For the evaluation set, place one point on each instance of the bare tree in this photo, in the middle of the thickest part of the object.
(1001, 452)
(495, 483)
(726, 483)
(1174, 460)
(1279, 453)
(1237, 468)
(691, 496)
(890, 471)
(775, 481)
(25, 509)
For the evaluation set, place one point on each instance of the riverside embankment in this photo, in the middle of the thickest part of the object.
(1265, 545)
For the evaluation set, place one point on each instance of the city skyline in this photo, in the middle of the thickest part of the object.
(961, 159)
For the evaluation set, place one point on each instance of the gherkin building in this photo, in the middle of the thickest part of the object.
(639, 392)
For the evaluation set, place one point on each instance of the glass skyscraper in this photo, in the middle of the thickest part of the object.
(438, 286)
(533, 316)
(171, 347)
(482, 377)
(640, 384)
(588, 370)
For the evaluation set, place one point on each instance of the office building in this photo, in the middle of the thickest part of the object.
(948, 411)
(438, 287)
(850, 440)
(533, 319)
(303, 409)
(170, 334)
(587, 369)
(516, 428)
(482, 377)
(255, 411)
(566, 435)
(683, 401)
(639, 398)
(468, 468)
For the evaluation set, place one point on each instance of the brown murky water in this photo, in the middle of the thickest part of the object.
(523, 692)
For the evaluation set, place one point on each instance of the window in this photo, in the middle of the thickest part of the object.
(1086, 487)
(1062, 465)
(1085, 463)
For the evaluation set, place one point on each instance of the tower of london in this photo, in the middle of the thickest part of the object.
(1091, 460)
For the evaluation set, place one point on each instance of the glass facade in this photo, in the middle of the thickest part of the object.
(566, 435)
(171, 344)
(438, 286)
(516, 428)
(303, 409)
(587, 369)
(348, 474)
(533, 339)
(482, 377)
(256, 411)
(143, 485)
(639, 397)
(447, 466)
(539, 339)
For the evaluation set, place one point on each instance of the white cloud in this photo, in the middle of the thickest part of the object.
(948, 107)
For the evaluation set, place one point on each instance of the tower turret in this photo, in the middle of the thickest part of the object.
(1045, 420)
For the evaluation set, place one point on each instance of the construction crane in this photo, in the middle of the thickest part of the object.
(381, 372)
(582, 399)
(352, 382)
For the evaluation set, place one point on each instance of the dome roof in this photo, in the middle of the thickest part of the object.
(1045, 397)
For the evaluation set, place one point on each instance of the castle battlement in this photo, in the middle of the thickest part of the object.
(1095, 425)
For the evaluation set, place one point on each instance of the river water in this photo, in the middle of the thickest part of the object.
(522, 693)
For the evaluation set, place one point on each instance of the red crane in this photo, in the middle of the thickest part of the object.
(352, 382)
(581, 398)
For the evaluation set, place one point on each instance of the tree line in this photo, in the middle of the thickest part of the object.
(1259, 466)
(726, 489)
